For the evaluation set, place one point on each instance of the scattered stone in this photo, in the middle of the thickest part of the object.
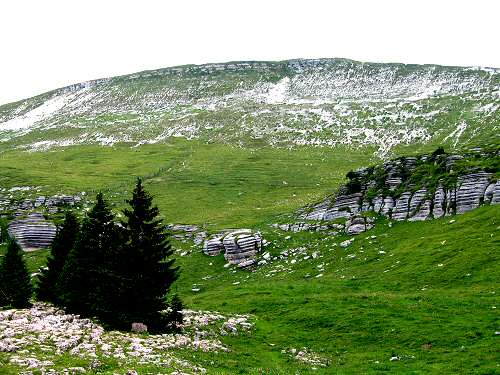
(48, 330)
(346, 243)
(139, 327)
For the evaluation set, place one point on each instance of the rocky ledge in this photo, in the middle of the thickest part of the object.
(414, 188)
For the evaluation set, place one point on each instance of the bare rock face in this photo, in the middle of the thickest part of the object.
(357, 225)
(488, 193)
(213, 246)
(319, 211)
(240, 246)
(33, 232)
(451, 202)
(387, 207)
(440, 203)
(423, 212)
(416, 200)
(344, 206)
(400, 211)
(470, 192)
(385, 183)
(378, 202)
(495, 199)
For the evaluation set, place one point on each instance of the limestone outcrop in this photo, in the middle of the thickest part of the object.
(33, 232)
(413, 188)
(240, 247)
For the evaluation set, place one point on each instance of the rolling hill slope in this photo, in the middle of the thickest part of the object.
(411, 297)
(325, 102)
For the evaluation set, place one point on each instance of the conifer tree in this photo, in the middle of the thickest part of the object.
(149, 269)
(176, 307)
(83, 282)
(15, 282)
(61, 246)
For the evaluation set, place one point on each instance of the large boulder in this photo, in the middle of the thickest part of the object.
(33, 232)
(357, 224)
(240, 246)
(213, 246)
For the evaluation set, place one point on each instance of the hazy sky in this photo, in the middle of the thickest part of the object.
(48, 44)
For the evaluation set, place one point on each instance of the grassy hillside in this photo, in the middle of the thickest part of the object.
(424, 292)
(325, 102)
(247, 144)
(192, 181)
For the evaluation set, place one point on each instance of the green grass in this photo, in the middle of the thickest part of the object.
(193, 182)
(421, 291)
(373, 306)
(436, 283)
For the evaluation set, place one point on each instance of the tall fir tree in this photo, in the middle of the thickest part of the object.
(46, 289)
(15, 283)
(149, 266)
(83, 282)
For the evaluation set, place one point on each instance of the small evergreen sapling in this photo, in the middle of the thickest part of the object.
(15, 282)
(175, 318)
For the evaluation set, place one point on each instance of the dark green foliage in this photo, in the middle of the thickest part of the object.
(84, 282)
(119, 274)
(4, 234)
(354, 184)
(149, 272)
(175, 318)
(437, 152)
(61, 246)
(15, 283)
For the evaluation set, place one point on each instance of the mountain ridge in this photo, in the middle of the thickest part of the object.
(313, 102)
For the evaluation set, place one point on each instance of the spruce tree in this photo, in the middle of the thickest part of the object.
(175, 316)
(148, 269)
(15, 282)
(83, 282)
(63, 242)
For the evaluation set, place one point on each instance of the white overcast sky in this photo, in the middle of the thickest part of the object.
(48, 44)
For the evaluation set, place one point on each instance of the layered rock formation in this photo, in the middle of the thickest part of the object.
(416, 188)
(240, 246)
(30, 228)
(32, 232)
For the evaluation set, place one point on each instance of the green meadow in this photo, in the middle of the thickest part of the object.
(424, 294)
